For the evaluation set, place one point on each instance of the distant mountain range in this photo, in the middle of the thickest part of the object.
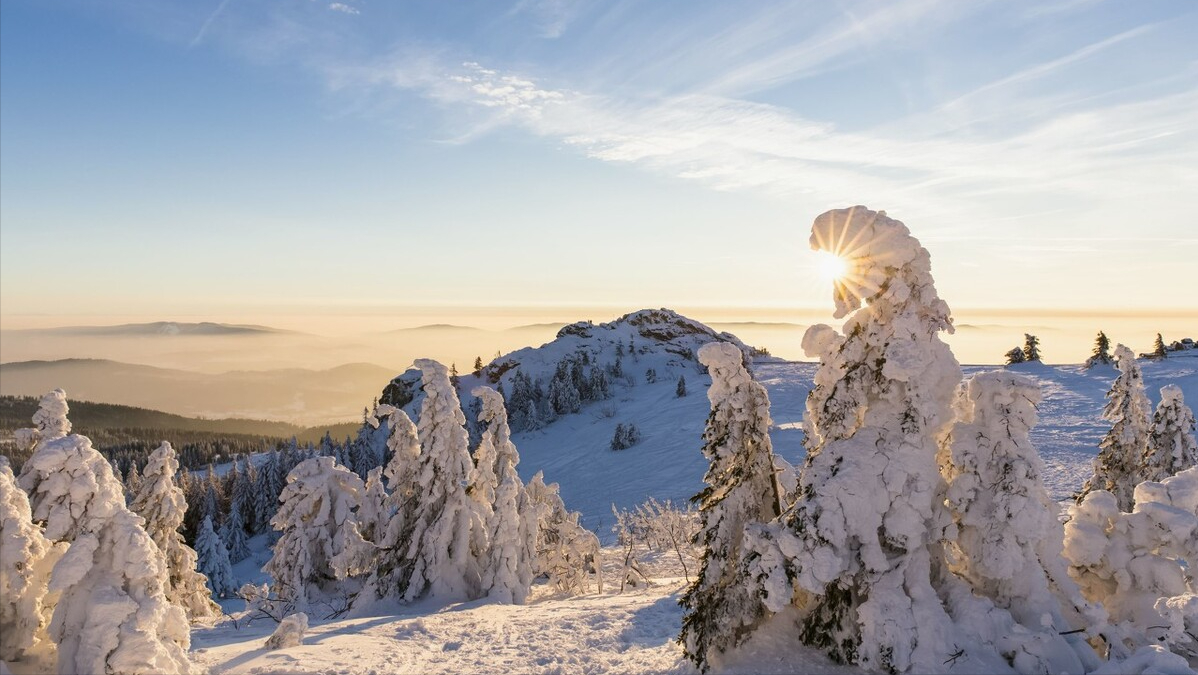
(295, 395)
(163, 328)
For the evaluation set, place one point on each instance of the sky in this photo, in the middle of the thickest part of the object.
(243, 158)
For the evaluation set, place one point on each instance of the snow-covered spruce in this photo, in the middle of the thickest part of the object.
(724, 603)
(1117, 467)
(49, 422)
(511, 536)
(566, 552)
(26, 558)
(321, 546)
(439, 547)
(393, 567)
(214, 563)
(1101, 355)
(163, 507)
(1131, 561)
(1171, 445)
(372, 518)
(112, 614)
(860, 538)
(1007, 541)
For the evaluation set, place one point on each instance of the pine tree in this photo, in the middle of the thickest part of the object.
(214, 561)
(1117, 467)
(266, 493)
(680, 390)
(26, 558)
(1158, 348)
(478, 366)
(112, 614)
(1007, 539)
(1015, 356)
(1102, 351)
(372, 516)
(163, 507)
(232, 533)
(1031, 348)
(723, 604)
(1171, 446)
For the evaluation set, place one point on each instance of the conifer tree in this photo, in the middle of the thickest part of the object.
(1007, 539)
(26, 558)
(1015, 356)
(1031, 348)
(112, 614)
(372, 516)
(163, 507)
(723, 604)
(1171, 446)
(858, 544)
(680, 389)
(320, 543)
(393, 569)
(214, 561)
(1117, 467)
(511, 538)
(1158, 348)
(1102, 351)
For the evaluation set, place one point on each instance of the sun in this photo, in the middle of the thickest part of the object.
(830, 266)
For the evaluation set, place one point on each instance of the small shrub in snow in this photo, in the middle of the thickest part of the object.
(1117, 467)
(567, 553)
(626, 436)
(289, 633)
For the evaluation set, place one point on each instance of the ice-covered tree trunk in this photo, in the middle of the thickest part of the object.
(393, 569)
(1171, 445)
(724, 602)
(1117, 467)
(1008, 539)
(860, 537)
(163, 507)
(372, 515)
(443, 563)
(214, 562)
(321, 545)
(26, 558)
(511, 540)
(112, 614)
(1131, 561)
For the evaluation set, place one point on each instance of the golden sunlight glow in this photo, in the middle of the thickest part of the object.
(831, 267)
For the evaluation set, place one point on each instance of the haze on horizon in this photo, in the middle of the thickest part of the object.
(345, 169)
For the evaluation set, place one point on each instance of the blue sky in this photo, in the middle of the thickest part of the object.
(243, 156)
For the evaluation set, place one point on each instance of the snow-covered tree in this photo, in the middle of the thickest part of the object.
(511, 537)
(859, 543)
(112, 614)
(443, 563)
(393, 569)
(163, 507)
(232, 533)
(1171, 445)
(566, 552)
(1131, 561)
(1102, 351)
(724, 602)
(372, 515)
(214, 561)
(1015, 355)
(321, 544)
(680, 388)
(266, 493)
(133, 481)
(1117, 467)
(1031, 348)
(26, 558)
(1007, 539)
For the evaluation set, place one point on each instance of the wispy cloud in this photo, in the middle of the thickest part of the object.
(343, 8)
(199, 37)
